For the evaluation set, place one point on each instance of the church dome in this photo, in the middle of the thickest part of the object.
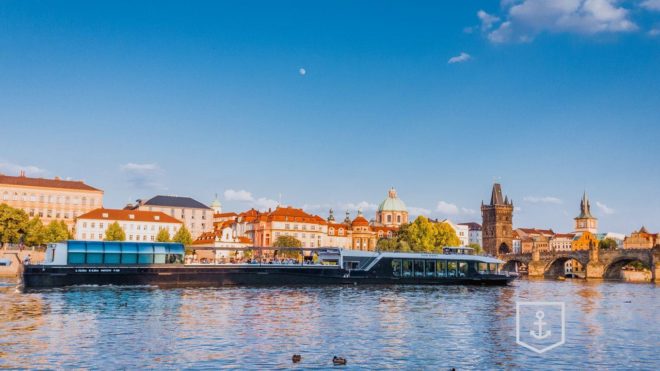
(392, 203)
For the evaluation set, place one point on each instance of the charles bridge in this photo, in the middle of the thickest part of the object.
(598, 263)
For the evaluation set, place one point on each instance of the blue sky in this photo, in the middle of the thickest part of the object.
(435, 98)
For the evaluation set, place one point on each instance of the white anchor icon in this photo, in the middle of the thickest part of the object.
(540, 323)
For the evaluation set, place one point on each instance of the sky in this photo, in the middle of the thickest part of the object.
(328, 104)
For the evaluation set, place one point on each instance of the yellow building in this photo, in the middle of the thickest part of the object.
(584, 241)
(641, 239)
(50, 199)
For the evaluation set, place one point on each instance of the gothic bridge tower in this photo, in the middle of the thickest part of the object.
(497, 226)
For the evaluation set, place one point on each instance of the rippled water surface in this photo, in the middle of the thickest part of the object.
(609, 326)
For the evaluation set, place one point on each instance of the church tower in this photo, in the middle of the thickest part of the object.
(585, 222)
(497, 223)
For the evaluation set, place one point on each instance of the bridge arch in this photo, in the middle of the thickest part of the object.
(614, 269)
(557, 267)
(504, 249)
(515, 265)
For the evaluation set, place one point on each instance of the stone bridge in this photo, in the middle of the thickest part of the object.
(598, 263)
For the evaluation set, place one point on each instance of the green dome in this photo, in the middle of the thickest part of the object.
(392, 203)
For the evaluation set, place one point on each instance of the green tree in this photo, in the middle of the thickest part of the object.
(183, 236)
(35, 232)
(115, 233)
(287, 241)
(607, 244)
(446, 236)
(477, 248)
(425, 236)
(163, 235)
(57, 232)
(12, 224)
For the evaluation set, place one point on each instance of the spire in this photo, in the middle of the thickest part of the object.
(216, 205)
(643, 230)
(496, 195)
(331, 216)
(359, 212)
(347, 220)
(585, 207)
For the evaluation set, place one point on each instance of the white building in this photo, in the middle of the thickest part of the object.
(474, 234)
(562, 242)
(138, 225)
(462, 231)
(197, 217)
(517, 243)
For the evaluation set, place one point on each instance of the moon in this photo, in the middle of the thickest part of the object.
(302, 71)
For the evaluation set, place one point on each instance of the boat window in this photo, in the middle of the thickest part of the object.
(441, 268)
(451, 269)
(145, 254)
(112, 253)
(430, 268)
(76, 252)
(129, 253)
(94, 253)
(419, 268)
(483, 268)
(462, 269)
(160, 253)
(351, 265)
(492, 267)
(407, 268)
(396, 267)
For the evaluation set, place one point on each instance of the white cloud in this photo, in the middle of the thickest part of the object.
(525, 19)
(143, 176)
(418, 210)
(487, 20)
(604, 208)
(260, 203)
(363, 205)
(542, 200)
(651, 4)
(654, 32)
(463, 57)
(241, 195)
(10, 168)
(447, 208)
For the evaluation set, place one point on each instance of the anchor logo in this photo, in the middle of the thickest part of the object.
(540, 334)
(540, 326)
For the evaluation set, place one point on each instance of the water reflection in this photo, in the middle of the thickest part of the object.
(373, 327)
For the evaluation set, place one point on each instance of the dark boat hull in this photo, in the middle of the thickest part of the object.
(212, 276)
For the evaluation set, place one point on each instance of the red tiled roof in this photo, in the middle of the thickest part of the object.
(224, 215)
(46, 183)
(125, 215)
(360, 220)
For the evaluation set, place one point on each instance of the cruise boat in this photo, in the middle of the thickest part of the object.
(162, 264)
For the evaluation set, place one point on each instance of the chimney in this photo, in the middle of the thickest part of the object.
(22, 174)
(57, 178)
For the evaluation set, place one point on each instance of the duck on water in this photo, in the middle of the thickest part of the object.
(162, 264)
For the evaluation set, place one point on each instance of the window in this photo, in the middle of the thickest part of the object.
(389, 218)
(112, 253)
(398, 218)
(94, 253)
(483, 268)
(462, 269)
(418, 268)
(430, 268)
(451, 269)
(441, 268)
(407, 268)
(145, 254)
(129, 253)
(396, 267)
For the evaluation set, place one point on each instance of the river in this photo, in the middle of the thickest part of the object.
(609, 325)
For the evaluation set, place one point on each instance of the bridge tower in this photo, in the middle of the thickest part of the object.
(585, 222)
(497, 223)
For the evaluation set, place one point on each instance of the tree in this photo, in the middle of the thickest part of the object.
(425, 236)
(477, 248)
(12, 224)
(163, 235)
(35, 232)
(115, 233)
(183, 236)
(57, 232)
(446, 236)
(607, 244)
(287, 241)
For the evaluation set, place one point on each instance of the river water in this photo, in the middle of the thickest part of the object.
(609, 325)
